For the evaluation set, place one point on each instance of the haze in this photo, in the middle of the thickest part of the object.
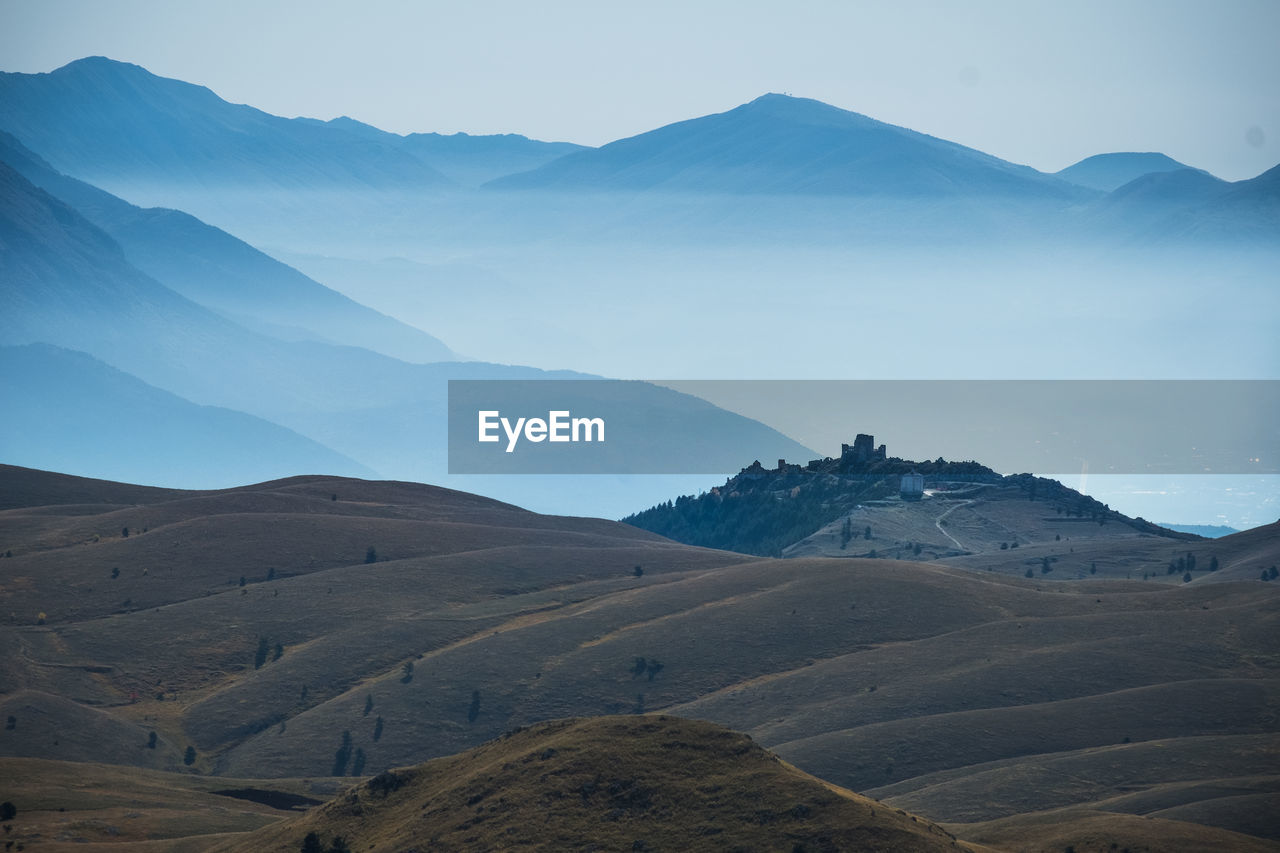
(1044, 85)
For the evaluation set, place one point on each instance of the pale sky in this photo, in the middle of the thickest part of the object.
(1043, 84)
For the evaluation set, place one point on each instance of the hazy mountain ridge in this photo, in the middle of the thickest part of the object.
(214, 269)
(113, 123)
(779, 144)
(1109, 172)
(78, 414)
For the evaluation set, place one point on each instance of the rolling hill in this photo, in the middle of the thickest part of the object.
(617, 783)
(267, 626)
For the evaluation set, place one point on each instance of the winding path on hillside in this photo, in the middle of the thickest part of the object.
(938, 524)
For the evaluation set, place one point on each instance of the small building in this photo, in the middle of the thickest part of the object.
(912, 487)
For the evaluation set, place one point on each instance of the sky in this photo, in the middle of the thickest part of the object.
(1039, 83)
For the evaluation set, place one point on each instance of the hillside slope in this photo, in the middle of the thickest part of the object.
(618, 783)
(266, 626)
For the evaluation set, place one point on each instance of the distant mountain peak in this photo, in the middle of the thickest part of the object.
(1109, 172)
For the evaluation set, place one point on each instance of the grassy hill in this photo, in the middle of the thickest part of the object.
(618, 783)
(972, 696)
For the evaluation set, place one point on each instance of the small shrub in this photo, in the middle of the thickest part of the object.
(189, 757)
(371, 556)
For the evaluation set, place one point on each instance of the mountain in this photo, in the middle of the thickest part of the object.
(115, 124)
(68, 283)
(615, 783)
(1177, 206)
(329, 629)
(466, 159)
(782, 145)
(214, 269)
(71, 412)
(1107, 172)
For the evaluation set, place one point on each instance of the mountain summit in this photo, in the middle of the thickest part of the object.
(112, 123)
(779, 144)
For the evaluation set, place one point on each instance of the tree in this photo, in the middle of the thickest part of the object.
(638, 667)
(357, 767)
(1213, 564)
(377, 730)
(8, 811)
(653, 669)
(866, 534)
(1093, 568)
(278, 653)
(1045, 568)
(189, 757)
(342, 756)
(1191, 562)
(151, 741)
(406, 672)
(243, 581)
(333, 497)
(368, 704)
(115, 573)
(474, 710)
(11, 723)
(370, 556)
(1186, 578)
(260, 656)
(638, 571)
(1030, 574)
(311, 844)
(124, 531)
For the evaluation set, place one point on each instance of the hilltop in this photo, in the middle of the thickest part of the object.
(615, 783)
(854, 505)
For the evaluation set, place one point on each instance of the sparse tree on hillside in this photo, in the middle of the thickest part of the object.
(370, 556)
(1186, 578)
(1213, 564)
(406, 672)
(342, 756)
(151, 741)
(1093, 568)
(866, 534)
(8, 811)
(11, 723)
(1030, 574)
(474, 710)
(260, 656)
(368, 704)
(377, 730)
(638, 571)
(311, 844)
(115, 573)
(189, 757)
(124, 532)
(639, 709)
(357, 766)
(1191, 562)
(278, 653)
(243, 580)
(653, 669)
(638, 667)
